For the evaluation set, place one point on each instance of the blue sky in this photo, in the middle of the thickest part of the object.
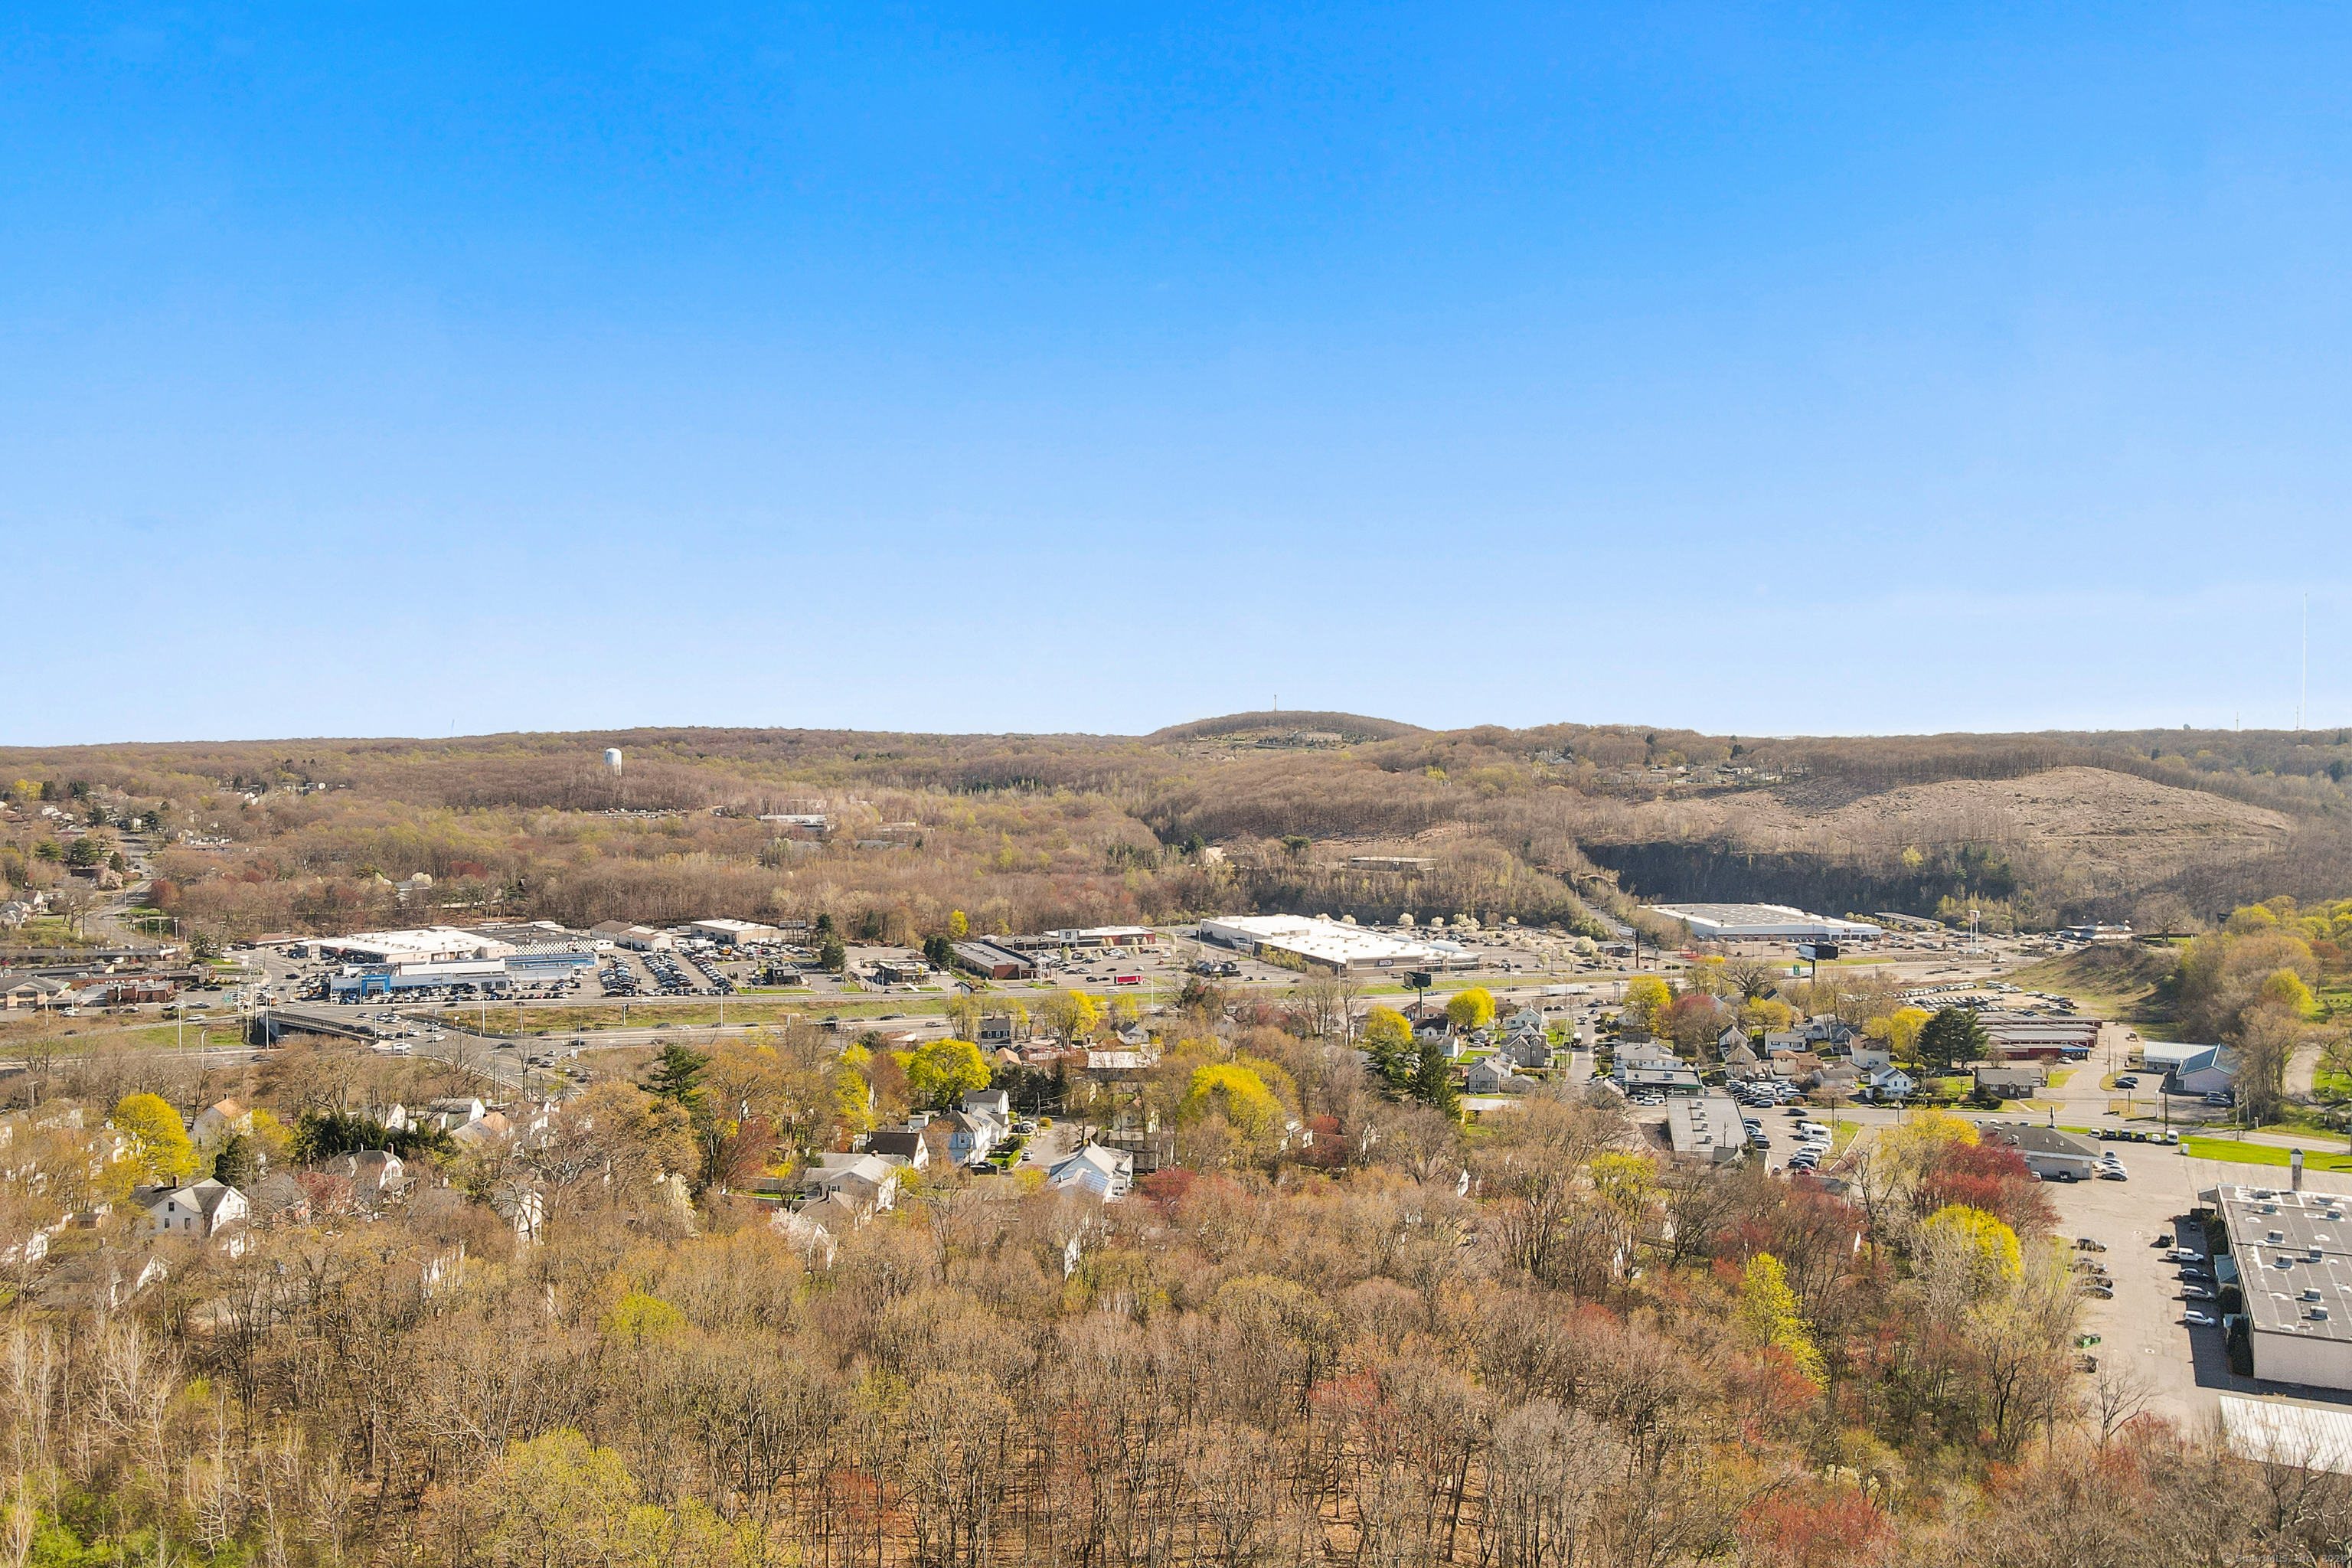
(1768, 370)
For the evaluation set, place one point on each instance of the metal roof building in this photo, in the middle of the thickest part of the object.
(1763, 923)
(2294, 1253)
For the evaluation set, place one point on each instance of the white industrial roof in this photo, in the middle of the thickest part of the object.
(2309, 1437)
(1717, 921)
(423, 942)
(1327, 940)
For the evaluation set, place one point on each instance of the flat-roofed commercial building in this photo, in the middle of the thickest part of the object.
(1332, 945)
(990, 961)
(425, 945)
(732, 933)
(1705, 1129)
(1082, 937)
(2293, 1257)
(1764, 922)
(2046, 1151)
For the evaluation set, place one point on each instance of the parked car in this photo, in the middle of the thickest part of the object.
(2197, 1319)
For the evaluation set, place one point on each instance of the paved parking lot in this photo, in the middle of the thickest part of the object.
(2142, 1324)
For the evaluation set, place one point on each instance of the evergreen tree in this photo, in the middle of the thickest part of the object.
(1433, 1082)
(678, 1074)
(1951, 1038)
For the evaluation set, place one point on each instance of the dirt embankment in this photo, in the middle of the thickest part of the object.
(2077, 834)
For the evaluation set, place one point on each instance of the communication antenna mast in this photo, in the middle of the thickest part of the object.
(2302, 696)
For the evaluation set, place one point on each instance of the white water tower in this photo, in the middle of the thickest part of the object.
(613, 759)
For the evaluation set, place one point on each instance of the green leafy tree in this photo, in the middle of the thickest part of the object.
(86, 851)
(1951, 1038)
(1647, 999)
(1386, 1039)
(676, 1074)
(1235, 1092)
(939, 951)
(943, 1072)
(832, 955)
(1070, 1015)
(1471, 1009)
(1768, 1310)
(160, 1148)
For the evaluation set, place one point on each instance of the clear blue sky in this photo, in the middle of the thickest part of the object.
(377, 370)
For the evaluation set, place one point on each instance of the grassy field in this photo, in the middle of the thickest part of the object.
(2118, 980)
(2241, 1153)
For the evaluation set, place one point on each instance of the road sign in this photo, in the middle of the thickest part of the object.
(1419, 979)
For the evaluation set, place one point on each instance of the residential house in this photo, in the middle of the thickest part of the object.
(1741, 1063)
(1002, 1031)
(1836, 1078)
(1493, 1075)
(970, 1135)
(487, 1128)
(1797, 1066)
(902, 1146)
(866, 1181)
(199, 1209)
(1524, 1051)
(808, 1234)
(1106, 1172)
(2010, 1082)
(220, 1123)
(453, 1113)
(1868, 1057)
(1734, 1039)
(376, 1175)
(994, 1103)
(1887, 1081)
(1778, 1040)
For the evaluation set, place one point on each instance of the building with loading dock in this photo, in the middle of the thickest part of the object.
(2293, 1257)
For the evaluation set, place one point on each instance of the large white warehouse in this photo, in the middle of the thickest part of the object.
(1763, 923)
(1330, 944)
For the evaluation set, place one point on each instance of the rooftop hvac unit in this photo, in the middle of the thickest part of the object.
(2276, 1237)
(2311, 1295)
(2319, 1314)
(2313, 1253)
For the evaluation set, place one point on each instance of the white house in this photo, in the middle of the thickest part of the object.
(220, 1123)
(1888, 1082)
(868, 1181)
(902, 1146)
(1106, 1172)
(199, 1209)
(453, 1113)
(970, 1135)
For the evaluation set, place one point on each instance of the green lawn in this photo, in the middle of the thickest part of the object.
(2236, 1153)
